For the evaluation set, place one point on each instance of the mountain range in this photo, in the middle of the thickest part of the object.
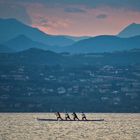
(104, 43)
(19, 37)
(11, 28)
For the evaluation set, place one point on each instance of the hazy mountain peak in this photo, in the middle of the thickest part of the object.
(132, 29)
(23, 42)
(38, 51)
(22, 37)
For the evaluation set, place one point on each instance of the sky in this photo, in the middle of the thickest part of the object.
(74, 17)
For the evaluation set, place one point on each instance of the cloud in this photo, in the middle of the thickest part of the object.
(14, 10)
(52, 22)
(74, 10)
(126, 4)
(119, 4)
(56, 23)
(53, 25)
(101, 16)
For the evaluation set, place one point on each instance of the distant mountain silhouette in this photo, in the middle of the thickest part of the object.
(22, 42)
(97, 44)
(131, 30)
(11, 28)
(104, 43)
(32, 56)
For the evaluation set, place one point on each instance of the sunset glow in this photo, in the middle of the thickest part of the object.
(85, 17)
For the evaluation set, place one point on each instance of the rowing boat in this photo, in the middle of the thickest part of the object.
(41, 119)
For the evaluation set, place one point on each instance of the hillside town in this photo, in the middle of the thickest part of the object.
(30, 88)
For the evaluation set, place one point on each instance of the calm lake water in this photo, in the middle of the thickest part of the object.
(25, 126)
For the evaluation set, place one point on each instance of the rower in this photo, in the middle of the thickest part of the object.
(83, 116)
(67, 117)
(58, 116)
(75, 117)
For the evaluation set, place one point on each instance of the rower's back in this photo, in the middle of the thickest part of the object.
(58, 116)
